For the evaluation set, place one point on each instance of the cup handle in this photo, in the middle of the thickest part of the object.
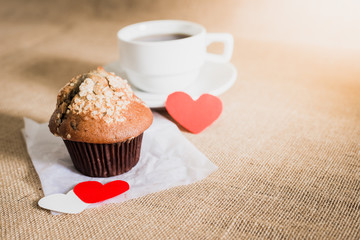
(228, 41)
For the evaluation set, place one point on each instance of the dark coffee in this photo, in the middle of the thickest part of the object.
(162, 37)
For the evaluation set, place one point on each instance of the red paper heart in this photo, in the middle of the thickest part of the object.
(93, 191)
(197, 115)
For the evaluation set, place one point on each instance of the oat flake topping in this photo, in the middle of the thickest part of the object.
(103, 95)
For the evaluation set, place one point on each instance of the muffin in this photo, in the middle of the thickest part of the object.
(101, 122)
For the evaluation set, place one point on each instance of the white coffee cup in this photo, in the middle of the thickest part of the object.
(164, 56)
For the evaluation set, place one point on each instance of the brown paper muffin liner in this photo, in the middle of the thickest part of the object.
(104, 160)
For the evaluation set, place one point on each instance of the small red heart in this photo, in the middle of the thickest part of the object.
(93, 191)
(197, 115)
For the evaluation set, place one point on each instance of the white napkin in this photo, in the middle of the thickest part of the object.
(167, 160)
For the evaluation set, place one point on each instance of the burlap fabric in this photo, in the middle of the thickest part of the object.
(287, 143)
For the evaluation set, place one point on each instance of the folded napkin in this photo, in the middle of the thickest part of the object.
(167, 160)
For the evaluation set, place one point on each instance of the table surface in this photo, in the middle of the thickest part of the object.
(287, 143)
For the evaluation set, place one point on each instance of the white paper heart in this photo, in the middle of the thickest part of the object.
(63, 203)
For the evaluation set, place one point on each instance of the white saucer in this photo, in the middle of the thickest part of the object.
(214, 78)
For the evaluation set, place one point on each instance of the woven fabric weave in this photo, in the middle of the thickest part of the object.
(287, 143)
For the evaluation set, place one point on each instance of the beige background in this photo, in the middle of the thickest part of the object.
(287, 143)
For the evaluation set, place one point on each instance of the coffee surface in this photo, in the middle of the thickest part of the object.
(162, 37)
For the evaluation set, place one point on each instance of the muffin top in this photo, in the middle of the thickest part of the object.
(99, 107)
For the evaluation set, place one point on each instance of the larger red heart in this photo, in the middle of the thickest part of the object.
(197, 115)
(93, 191)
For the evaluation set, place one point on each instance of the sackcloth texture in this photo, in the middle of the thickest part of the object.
(287, 143)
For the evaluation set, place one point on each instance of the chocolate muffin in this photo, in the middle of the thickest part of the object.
(101, 122)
